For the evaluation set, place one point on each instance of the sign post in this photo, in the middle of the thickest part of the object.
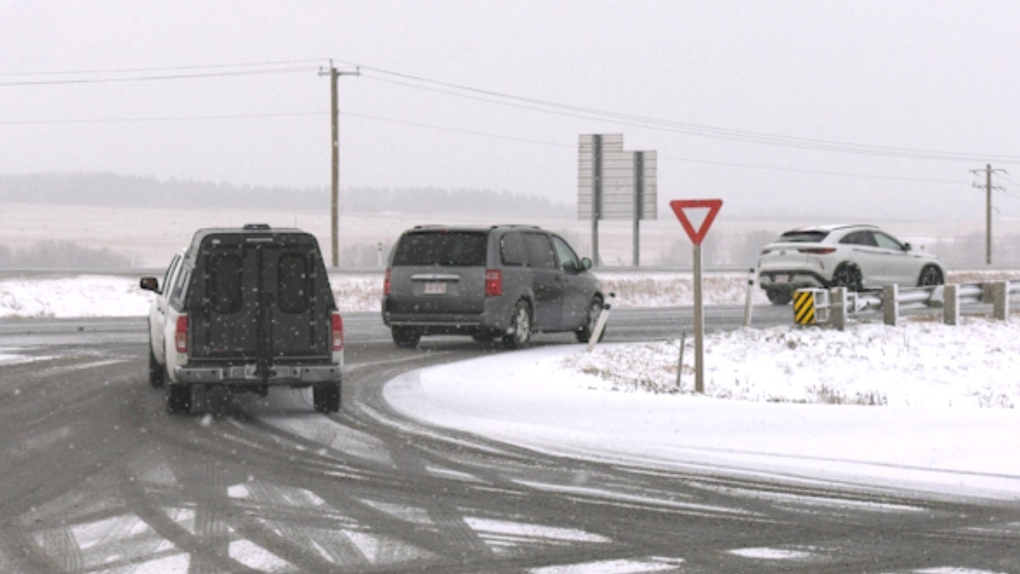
(697, 236)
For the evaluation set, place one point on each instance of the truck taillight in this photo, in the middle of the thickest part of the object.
(493, 283)
(338, 332)
(386, 283)
(181, 334)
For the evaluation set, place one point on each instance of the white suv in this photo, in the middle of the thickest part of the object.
(858, 257)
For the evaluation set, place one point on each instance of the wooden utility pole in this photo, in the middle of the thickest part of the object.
(988, 208)
(334, 74)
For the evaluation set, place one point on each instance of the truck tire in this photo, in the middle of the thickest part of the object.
(178, 399)
(157, 373)
(326, 398)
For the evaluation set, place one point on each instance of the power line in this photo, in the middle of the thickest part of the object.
(162, 119)
(145, 78)
(159, 69)
(663, 157)
(698, 130)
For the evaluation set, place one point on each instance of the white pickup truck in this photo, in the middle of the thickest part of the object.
(246, 309)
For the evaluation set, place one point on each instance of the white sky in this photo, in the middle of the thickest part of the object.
(911, 74)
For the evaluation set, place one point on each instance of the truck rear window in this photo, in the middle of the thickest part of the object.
(442, 249)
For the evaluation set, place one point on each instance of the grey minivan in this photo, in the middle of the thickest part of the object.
(500, 282)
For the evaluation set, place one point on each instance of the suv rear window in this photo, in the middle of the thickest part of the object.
(803, 236)
(442, 248)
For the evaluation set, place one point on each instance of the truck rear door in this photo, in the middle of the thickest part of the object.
(262, 301)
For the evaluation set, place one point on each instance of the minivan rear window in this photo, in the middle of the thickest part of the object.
(803, 236)
(442, 248)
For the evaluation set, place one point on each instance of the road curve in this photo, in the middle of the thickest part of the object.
(96, 477)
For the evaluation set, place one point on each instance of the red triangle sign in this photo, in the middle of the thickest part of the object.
(680, 205)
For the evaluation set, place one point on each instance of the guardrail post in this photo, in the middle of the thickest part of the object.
(951, 306)
(752, 274)
(839, 305)
(1000, 300)
(890, 306)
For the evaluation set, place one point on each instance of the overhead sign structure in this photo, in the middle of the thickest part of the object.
(615, 184)
(697, 236)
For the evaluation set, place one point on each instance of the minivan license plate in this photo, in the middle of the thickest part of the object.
(435, 288)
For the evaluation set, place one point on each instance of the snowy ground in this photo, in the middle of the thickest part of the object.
(922, 405)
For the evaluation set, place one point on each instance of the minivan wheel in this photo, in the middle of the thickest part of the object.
(156, 371)
(519, 334)
(778, 296)
(591, 319)
(484, 337)
(178, 399)
(326, 398)
(405, 337)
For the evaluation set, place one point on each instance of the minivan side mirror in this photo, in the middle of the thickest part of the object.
(150, 284)
(907, 247)
(585, 264)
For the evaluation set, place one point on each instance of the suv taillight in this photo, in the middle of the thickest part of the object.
(493, 283)
(386, 283)
(181, 334)
(338, 332)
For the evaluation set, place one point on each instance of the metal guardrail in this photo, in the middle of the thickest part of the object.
(838, 305)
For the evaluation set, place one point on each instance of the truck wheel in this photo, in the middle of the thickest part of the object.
(178, 399)
(156, 371)
(591, 318)
(405, 337)
(326, 397)
(519, 334)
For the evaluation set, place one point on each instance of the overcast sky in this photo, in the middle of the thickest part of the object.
(493, 94)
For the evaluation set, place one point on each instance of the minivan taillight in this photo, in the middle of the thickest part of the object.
(386, 283)
(338, 332)
(493, 283)
(181, 334)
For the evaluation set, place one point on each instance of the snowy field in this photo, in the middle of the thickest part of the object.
(920, 405)
(119, 296)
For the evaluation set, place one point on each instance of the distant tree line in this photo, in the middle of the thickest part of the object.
(105, 189)
(61, 255)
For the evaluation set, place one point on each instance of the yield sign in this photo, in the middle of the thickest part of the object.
(713, 205)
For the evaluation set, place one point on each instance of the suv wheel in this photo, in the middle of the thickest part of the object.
(326, 398)
(847, 275)
(156, 372)
(591, 319)
(405, 337)
(519, 334)
(930, 275)
(178, 399)
(778, 296)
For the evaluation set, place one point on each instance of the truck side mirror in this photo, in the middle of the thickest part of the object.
(150, 284)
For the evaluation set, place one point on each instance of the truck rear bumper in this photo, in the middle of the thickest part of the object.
(278, 375)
